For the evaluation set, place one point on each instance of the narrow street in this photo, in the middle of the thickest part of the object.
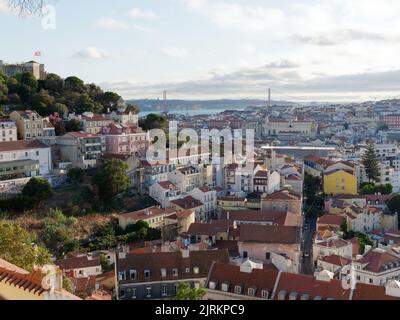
(307, 266)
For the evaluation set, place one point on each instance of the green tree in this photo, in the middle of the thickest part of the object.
(371, 163)
(153, 121)
(73, 125)
(59, 108)
(394, 204)
(58, 230)
(185, 292)
(18, 247)
(371, 188)
(68, 285)
(75, 175)
(74, 84)
(38, 188)
(111, 180)
(53, 83)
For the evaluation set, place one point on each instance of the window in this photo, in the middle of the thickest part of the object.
(122, 275)
(252, 292)
(175, 272)
(225, 287)
(264, 294)
(164, 290)
(238, 289)
(196, 270)
(268, 256)
(371, 281)
(175, 288)
(147, 274)
(132, 274)
(187, 270)
(163, 272)
(148, 292)
(245, 254)
(122, 293)
(134, 293)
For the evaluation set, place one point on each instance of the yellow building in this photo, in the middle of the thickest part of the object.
(340, 181)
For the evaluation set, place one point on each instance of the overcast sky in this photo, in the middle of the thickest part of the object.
(327, 50)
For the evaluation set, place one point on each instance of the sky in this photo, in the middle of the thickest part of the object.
(304, 50)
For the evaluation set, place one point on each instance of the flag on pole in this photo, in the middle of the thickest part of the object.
(38, 54)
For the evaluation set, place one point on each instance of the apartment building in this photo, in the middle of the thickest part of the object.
(8, 130)
(29, 124)
(81, 149)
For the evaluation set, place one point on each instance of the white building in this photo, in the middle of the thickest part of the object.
(208, 197)
(377, 267)
(331, 247)
(23, 159)
(164, 192)
(8, 130)
(186, 178)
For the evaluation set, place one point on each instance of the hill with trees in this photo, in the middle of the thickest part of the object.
(55, 94)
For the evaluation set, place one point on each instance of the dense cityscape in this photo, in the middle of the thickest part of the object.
(111, 196)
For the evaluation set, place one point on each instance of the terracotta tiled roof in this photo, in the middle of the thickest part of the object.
(331, 219)
(147, 213)
(210, 229)
(84, 284)
(31, 282)
(336, 260)
(284, 195)
(269, 234)
(77, 262)
(230, 245)
(277, 218)
(334, 243)
(379, 261)
(337, 170)
(82, 135)
(167, 185)
(22, 145)
(187, 203)
(303, 284)
(370, 292)
(261, 174)
(258, 279)
(154, 262)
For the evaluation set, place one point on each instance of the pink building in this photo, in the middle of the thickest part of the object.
(126, 139)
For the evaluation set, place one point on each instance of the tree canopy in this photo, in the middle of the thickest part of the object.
(111, 180)
(185, 292)
(19, 247)
(394, 204)
(153, 121)
(55, 94)
(38, 188)
(371, 163)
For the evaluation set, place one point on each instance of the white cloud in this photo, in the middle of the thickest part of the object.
(90, 53)
(179, 53)
(4, 7)
(228, 15)
(142, 14)
(113, 24)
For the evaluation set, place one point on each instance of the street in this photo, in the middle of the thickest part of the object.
(307, 266)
